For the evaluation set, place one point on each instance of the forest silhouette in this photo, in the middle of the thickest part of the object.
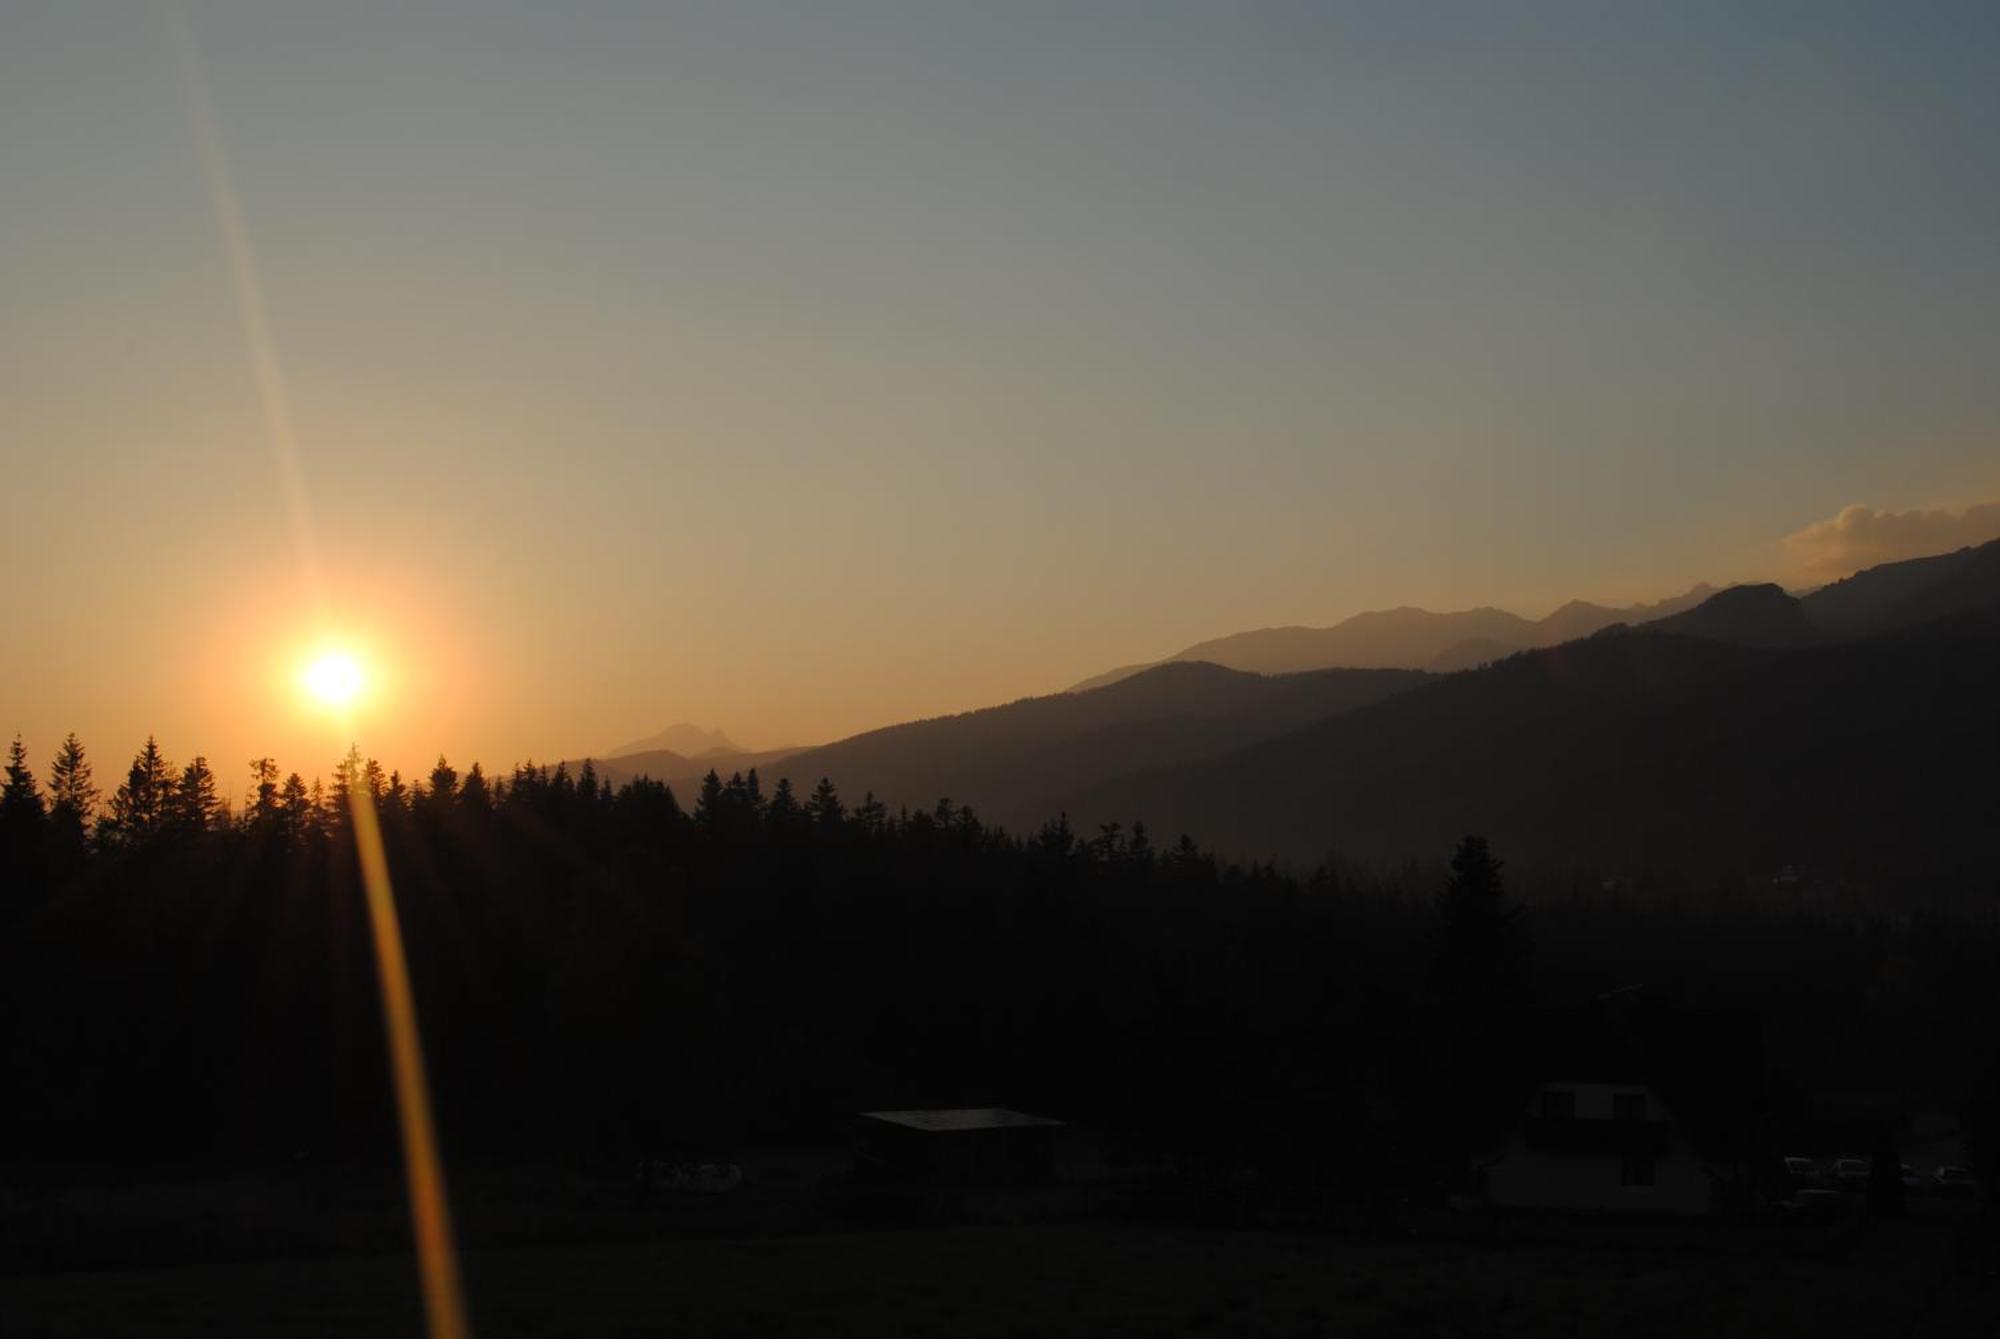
(602, 973)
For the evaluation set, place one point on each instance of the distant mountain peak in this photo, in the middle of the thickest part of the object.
(1760, 614)
(1408, 637)
(685, 738)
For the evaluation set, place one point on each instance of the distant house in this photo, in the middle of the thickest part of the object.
(957, 1146)
(1629, 1105)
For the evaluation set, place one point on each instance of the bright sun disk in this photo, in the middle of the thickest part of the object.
(334, 679)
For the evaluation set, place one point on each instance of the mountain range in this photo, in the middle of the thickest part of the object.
(686, 739)
(1743, 729)
(1408, 638)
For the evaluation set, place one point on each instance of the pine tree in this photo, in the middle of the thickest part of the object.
(20, 798)
(784, 814)
(475, 796)
(71, 794)
(23, 823)
(872, 816)
(825, 807)
(72, 799)
(1480, 944)
(444, 782)
(708, 803)
(194, 805)
(1479, 988)
(297, 807)
(141, 807)
(263, 791)
(348, 776)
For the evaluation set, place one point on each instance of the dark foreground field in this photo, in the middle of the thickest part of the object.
(1931, 1274)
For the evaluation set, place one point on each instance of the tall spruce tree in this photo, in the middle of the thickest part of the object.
(1480, 945)
(1479, 988)
(444, 783)
(72, 799)
(263, 792)
(140, 808)
(195, 806)
(23, 824)
(20, 797)
(475, 794)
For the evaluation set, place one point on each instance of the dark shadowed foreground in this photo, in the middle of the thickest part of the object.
(1084, 1279)
(1407, 1099)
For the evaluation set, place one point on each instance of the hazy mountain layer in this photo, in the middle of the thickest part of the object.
(1410, 638)
(688, 740)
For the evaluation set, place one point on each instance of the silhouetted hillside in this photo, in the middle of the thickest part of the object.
(1469, 655)
(1005, 761)
(1880, 599)
(1896, 595)
(1622, 752)
(1762, 615)
(1581, 618)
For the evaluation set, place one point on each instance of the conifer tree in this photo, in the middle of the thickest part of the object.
(784, 814)
(474, 795)
(195, 807)
(71, 791)
(1480, 946)
(263, 791)
(348, 775)
(297, 807)
(1479, 988)
(824, 806)
(20, 797)
(142, 806)
(22, 822)
(708, 803)
(444, 782)
(72, 799)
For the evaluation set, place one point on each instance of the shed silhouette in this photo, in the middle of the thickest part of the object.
(957, 1146)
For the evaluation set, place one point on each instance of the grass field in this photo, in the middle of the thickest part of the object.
(1929, 1275)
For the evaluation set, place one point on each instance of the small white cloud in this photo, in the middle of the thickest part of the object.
(1864, 536)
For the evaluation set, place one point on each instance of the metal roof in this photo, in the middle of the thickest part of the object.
(961, 1118)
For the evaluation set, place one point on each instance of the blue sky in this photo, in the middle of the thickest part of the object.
(799, 368)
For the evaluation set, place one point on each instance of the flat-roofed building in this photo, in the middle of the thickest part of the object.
(958, 1146)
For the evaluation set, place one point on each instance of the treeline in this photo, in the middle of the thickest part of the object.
(602, 971)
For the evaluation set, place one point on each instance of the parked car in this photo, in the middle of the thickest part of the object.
(1850, 1174)
(1806, 1174)
(1955, 1182)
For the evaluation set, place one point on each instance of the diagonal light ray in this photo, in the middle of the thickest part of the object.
(249, 291)
(430, 1215)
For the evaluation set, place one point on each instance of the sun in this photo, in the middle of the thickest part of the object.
(334, 679)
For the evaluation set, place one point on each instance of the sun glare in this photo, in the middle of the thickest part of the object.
(334, 679)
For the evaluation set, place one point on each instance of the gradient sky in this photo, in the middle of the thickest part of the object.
(801, 368)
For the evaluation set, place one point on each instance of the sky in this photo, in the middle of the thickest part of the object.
(802, 368)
